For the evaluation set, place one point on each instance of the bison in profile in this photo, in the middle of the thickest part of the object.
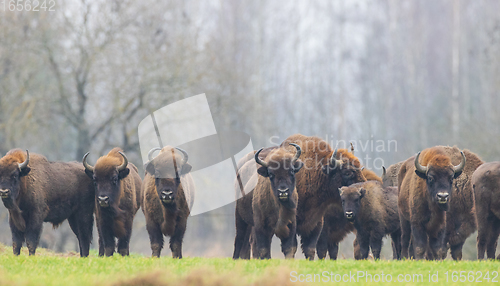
(168, 191)
(425, 189)
(117, 198)
(275, 201)
(373, 211)
(35, 190)
(486, 183)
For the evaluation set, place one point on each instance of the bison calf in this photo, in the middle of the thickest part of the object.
(374, 213)
(35, 190)
(118, 197)
(275, 201)
(168, 190)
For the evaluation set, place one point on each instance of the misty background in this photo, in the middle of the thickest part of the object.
(420, 73)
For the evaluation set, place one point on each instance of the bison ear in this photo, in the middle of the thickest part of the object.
(89, 173)
(27, 169)
(123, 173)
(150, 168)
(186, 168)
(457, 174)
(263, 171)
(297, 166)
(421, 175)
(362, 192)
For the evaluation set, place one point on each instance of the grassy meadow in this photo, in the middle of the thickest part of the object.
(49, 268)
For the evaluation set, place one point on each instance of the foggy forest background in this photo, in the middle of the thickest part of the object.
(80, 79)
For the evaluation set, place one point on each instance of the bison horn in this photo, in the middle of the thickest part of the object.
(297, 154)
(124, 164)
(150, 154)
(24, 164)
(184, 154)
(421, 169)
(86, 165)
(333, 160)
(460, 167)
(383, 171)
(258, 160)
(352, 148)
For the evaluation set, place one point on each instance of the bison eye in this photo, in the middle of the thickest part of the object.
(115, 181)
(271, 176)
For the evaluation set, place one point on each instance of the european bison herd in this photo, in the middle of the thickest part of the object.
(429, 204)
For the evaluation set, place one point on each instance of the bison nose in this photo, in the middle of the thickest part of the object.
(348, 214)
(103, 200)
(442, 197)
(4, 194)
(167, 195)
(283, 193)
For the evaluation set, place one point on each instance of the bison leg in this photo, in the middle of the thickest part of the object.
(456, 251)
(436, 243)
(17, 237)
(287, 244)
(155, 238)
(396, 244)
(405, 237)
(492, 239)
(242, 230)
(419, 239)
(33, 231)
(177, 237)
(124, 242)
(106, 239)
(322, 245)
(376, 245)
(82, 227)
(263, 237)
(355, 246)
(245, 248)
(308, 242)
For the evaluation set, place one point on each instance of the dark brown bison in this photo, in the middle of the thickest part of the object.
(425, 189)
(168, 190)
(275, 201)
(373, 211)
(35, 190)
(117, 199)
(390, 176)
(324, 172)
(486, 183)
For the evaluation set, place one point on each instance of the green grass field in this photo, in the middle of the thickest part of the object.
(48, 268)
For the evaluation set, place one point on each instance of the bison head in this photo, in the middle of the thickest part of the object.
(351, 201)
(280, 167)
(167, 169)
(13, 166)
(439, 174)
(345, 166)
(107, 174)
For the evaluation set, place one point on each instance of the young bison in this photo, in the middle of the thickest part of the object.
(486, 183)
(168, 190)
(373, 211)
(118, 197)
(275, 201)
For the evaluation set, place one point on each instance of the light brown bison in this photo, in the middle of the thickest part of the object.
(390, 176)
(486, 183)
(35, 190)
(425, 189)
(370, 175)
(275, 201)
(168, 191)
(117, 199)
(373, 211)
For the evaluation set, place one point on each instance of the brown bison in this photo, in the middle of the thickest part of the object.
(168, 191)
(35, 190)
(325, 171)
(486, 181)
(373, 211)
(370, 175)
(275, 201)
(425, 189)
(117, 199)
(390, 176)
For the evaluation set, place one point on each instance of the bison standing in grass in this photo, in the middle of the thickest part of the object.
(168, 191)
(275, 201)
(117, 197)
(373, 211)
(486, 183)
(35, 190)
(425, 189)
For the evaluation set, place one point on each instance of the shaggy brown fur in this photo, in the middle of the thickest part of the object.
(486, 181)
(317, 186)
(390, 176)
(374, 213)
(274, 214)
(45, 192)
(428, 221)
(166, 174)
(122, 188)
(370, 175)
